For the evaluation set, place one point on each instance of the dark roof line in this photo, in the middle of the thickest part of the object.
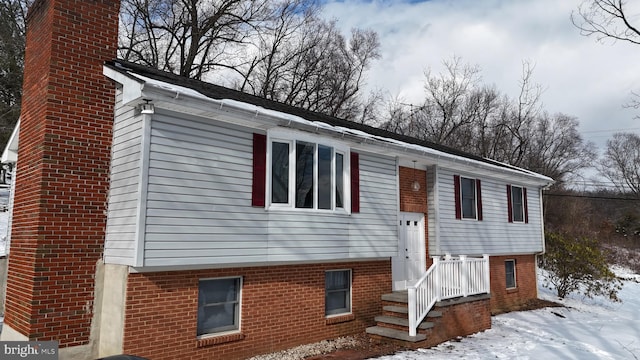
(220, 92)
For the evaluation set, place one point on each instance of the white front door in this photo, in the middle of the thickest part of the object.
(410, 263)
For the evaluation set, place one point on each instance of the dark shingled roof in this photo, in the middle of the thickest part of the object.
(220, 92)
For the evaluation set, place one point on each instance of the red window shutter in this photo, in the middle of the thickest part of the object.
(456, 190)
(479, 199)
(355, 182)
(509, 204)
(259, 170)
(526, 207)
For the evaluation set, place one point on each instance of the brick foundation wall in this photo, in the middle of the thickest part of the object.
(462, 319)
(503, 299)
(62, 173)
(282, 307)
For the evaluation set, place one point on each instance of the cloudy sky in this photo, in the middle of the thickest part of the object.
(581, 77)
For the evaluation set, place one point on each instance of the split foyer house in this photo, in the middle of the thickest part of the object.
(171, 218)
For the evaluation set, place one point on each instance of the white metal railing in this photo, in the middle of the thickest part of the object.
(446, 279)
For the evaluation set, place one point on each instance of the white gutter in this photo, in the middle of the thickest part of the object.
(141, 87)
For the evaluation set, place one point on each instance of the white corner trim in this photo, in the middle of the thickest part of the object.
(131, 88)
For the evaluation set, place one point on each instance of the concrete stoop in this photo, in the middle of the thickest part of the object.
(393, 324)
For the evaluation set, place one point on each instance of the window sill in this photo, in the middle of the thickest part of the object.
(218, 339)
(338, 211)
(512, 290)
(339, 319)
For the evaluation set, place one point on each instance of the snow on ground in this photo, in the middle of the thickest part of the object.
(584, 329)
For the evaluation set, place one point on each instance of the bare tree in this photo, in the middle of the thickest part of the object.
(187, 37)
(306, 62)
(398, 117)
(277, 49)
(621, 162)
(528, 108)
(557, 148)
(609, 19)
(459, 112)
(606, 19)
(12, 43)
(447, 94)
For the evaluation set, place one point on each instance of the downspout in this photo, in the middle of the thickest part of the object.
(542, 232)
(146, 111)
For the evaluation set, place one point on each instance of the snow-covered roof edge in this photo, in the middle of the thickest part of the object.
(150, 80)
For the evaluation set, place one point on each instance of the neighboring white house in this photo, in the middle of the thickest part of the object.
(8, 160)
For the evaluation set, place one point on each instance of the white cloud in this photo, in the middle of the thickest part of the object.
(582, 77)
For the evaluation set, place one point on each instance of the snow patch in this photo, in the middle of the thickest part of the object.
(583, 329)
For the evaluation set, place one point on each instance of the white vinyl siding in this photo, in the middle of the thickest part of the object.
(199, 195)
(199, 204)
(432, 209)
(125, 179)
(295, 235)
(494, 235)
(373, 231)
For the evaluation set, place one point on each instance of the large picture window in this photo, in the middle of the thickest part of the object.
(218, 305)
(337, 292)
(307, 174)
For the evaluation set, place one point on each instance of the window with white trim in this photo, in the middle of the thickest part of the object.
(219, 305)
(510, 273)
(307, 174)
(467, 198)
(337, 287)
(517, 211)
(517, 204)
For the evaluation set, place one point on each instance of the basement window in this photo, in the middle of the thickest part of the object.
(219, 305)
(337, 292)
(510, 273)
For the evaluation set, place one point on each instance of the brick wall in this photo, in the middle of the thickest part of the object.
(62, 171)
(459, 317)
(462, 319)
(503, 299)
(282, 307)
(415, 201)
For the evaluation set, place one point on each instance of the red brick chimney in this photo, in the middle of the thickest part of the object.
(62, 178)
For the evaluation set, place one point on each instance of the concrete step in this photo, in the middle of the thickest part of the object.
(405, 310)
(396, 309)
(401, 321)
(395, 334)
(397, 296)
